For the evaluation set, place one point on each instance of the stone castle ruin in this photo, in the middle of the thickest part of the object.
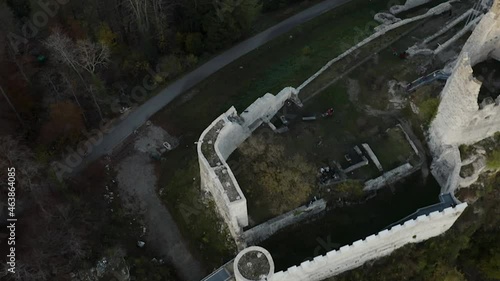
(218, 141)
(460, 119)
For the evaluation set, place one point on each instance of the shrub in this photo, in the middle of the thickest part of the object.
(172, 65)
(106, 36)
(191, 60)
(306, 51)
(194, 43)
(352, 189)
(428, 110)
(493, 160)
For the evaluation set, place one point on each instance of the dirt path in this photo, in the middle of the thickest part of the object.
(137, 182)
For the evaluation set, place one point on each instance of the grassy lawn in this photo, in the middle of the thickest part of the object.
(375, 48)
(392, 148)
(320, 142)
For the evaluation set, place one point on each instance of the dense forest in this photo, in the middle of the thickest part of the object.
(67, 65)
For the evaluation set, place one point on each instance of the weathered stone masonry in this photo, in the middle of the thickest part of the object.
(372, 247)
(218, 141)
(460, 120)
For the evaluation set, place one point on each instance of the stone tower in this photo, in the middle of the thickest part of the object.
(253, 264)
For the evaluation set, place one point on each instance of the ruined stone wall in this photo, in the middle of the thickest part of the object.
(459, 119)
(389, 177)
(265, 230)
(379, 31)
(457, 107)
(263, 109)
(236, 129)
(372, 247)
(234, 213)
(446, 169)
(458, 110)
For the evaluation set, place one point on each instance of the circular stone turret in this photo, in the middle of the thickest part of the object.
(253, 264)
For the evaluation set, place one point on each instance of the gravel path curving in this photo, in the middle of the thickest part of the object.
(137, 183)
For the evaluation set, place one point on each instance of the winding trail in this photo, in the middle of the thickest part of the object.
(137, 182)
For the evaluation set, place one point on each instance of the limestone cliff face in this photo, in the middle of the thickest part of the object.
(459, 119)
(457, 107)
(496, 7)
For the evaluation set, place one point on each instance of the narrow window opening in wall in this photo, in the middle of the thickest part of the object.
(488, 72)
(414, 236)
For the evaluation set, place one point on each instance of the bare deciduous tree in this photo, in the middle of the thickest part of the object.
(64, 48)
(146, 13)
(140, 13)
(91, 55)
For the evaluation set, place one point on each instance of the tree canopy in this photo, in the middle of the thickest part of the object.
(282, 180)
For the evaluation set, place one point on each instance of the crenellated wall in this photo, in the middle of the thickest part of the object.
(372, 247)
